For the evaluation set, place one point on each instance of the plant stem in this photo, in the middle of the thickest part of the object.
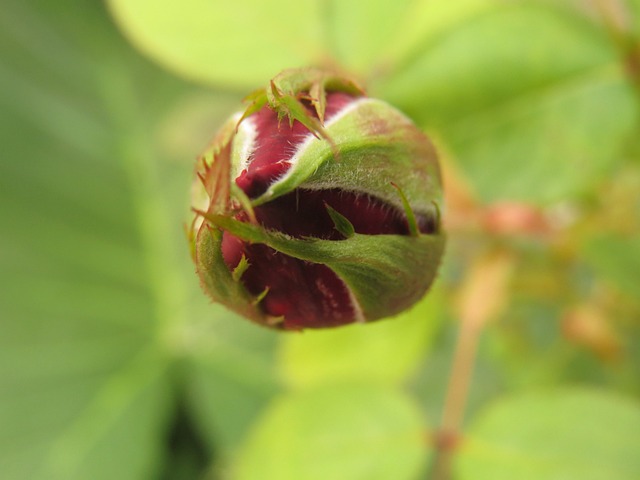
(483, 295)
(456, 397)
(616, 18)
(460, 379)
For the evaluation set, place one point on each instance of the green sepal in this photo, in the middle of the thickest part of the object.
(316, 82)
(261, 296)
(214, 173)
(244, 201)
(256, 101)
(242, 266)
(412, 223)
(218, 281)
(385, 273)
(378, 145)
(340, 222)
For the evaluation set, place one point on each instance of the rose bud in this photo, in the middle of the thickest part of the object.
(317, 207)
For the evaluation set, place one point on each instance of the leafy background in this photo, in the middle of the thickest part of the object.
(114, 365)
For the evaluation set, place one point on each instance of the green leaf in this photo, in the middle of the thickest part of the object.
(84, 391)
(210, 41)
(564, 434)
(240, 44)
(97, 291)
(355, 352)
(360, 31)
(373, 38)
(124, 421)
(229, 377)
(343, 432)
(526, 119)
(616, 259)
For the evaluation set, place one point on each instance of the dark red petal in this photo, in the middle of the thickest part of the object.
(307, 295)
(276, 142)
(303, 213)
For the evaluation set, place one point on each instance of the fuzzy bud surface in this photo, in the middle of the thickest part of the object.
(317, 207)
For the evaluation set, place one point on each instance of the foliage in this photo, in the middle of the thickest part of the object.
(114, 365)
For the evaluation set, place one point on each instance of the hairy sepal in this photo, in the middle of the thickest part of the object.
(402, 267)
(378, 148)
(218, 281)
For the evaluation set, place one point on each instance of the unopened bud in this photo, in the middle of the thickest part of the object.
(317, 207)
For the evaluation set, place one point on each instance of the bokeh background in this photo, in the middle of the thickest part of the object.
(113, 364)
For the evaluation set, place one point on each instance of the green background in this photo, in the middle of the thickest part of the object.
(113, 364)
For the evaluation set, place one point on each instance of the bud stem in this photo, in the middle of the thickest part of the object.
(483, 296)
(618, 21)
(456, 397)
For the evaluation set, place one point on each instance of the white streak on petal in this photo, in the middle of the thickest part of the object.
(310, 138)
(357, 309)
(244, 144)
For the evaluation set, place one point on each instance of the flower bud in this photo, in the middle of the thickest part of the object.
(317, 207)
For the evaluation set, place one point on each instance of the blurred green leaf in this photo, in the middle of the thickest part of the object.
(229, 377)
(564, 434)
(210, 41)
(342, 432)
(357, 32)
(372, 38)
(84, 393)
(386, 351)
(617, 259)
(124, 421)
(241, 43)
(97, 292)
(226, 398)
(531, 100)
(423, 24)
